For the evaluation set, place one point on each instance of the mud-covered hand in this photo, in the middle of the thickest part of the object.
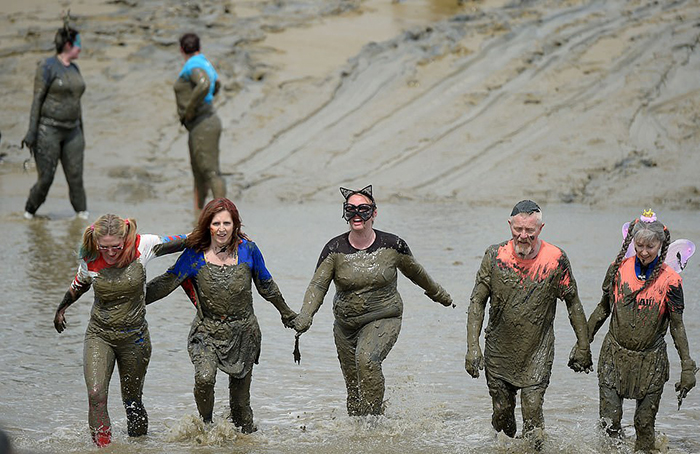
(29, 141)
(302, 323)
(688, 370)
(441, 296)
(474, 361)
(580, 359)
(59, 320)
(288, 319)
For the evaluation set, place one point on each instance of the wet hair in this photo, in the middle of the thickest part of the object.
(200, 238)
(527, 208)
(110, 224)
(640, 230)
(64, 35)
(189, 43)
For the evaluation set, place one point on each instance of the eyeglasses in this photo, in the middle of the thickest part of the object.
(364, 210)
(110, 248)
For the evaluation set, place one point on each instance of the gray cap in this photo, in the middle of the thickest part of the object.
(525, 206)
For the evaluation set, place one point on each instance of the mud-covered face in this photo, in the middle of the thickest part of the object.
(110, 247)
(647, 250)
(221, 228)
(525, 230)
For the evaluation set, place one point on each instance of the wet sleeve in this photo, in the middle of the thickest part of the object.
(675, 302)
(201, 85)
(42, 81)
(169, 245)
(414, 271)
(567, 283)
(83, 280)
(318, 287)
(477, 301)
(266, 286)
(163, 285)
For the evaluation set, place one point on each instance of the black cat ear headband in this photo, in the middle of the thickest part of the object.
(366, 191)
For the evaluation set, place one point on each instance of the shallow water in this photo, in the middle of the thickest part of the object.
(432, 404)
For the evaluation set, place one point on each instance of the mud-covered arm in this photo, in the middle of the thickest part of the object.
(474, 360)
(162, 286)
(42, 81)
(315, 292)
(602, 311)
(580, 359)
(269, 290)
(680, 340)
(72, 295)
(201, 83)
(170, 245)
(414, 271)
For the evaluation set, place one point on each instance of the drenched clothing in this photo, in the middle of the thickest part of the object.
(118, 332)
(633, 361)
(519, 338)
(225, 333)
(56, 131)
(367, 309)
(194, 93)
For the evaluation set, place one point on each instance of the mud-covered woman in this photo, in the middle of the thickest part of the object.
(217, 270)
(113, 258)
(56, 125)
(643, 296)
(195, 88)
(363, 264)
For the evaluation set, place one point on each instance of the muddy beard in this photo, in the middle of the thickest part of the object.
(522, 249)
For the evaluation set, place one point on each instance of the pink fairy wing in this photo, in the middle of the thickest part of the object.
(630, 250)
(678, 254)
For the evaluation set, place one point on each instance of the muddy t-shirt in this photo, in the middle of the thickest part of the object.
(57, 92)
(523, 295)
(365, 280)
(640, 324)
(120, 292)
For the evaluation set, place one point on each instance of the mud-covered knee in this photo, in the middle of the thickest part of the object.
(97, 395)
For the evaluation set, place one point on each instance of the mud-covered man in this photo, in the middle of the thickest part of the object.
(195, 88)
(522, 278)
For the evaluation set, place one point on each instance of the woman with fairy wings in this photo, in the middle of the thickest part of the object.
(643, 295)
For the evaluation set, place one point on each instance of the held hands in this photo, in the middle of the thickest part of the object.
(580, 359)
(59, 320)
(29, 141)
(302, 323)
(288, 319)
(474, 361)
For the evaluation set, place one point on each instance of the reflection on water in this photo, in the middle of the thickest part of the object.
(432, 404)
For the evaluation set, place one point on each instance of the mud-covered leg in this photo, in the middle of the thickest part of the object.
(133, 356)
(610, 411)
(204, 381)
(72, 163)
(503, 399)
(239, 396)
(98, 366)
(532, 399)
(374, 343)
(345, 342)
(46, 155)
(644, 422)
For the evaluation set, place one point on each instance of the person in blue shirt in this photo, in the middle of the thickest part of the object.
(217, 270)
(195, 88)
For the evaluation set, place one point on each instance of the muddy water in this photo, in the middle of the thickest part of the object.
(432, 404)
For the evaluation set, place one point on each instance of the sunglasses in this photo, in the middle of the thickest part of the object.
(110, 248)
(364, 211)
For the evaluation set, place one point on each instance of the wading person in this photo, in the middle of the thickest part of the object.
(113, 261)
(363, 264)
(195, 89)
(522, 278)
(643, 296)
(217, 270)
(55, 124)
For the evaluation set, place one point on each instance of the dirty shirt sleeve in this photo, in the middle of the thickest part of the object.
(414, 271)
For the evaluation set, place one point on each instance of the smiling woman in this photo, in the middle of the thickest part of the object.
(217, 271)
(113, 258)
